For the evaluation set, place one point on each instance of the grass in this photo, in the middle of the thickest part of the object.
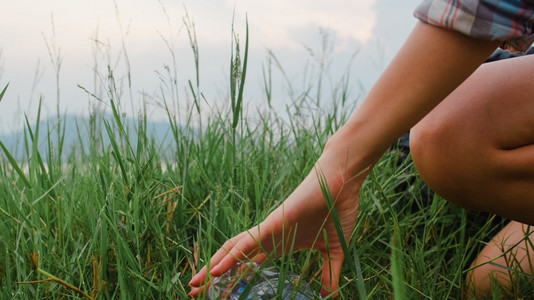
(122, 216)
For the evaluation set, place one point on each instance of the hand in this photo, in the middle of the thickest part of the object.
(300, 220)
(397, 101)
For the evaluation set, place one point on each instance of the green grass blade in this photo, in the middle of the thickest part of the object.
(397, 270)
(3, 92)
(337, 224)
(239, 103)
(116, 153)
(358, 267)
(15, 166)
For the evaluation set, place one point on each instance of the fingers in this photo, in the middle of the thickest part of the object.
(330, 274)
(198, 278)
(246, 247)
(195, 292)
(243, 246)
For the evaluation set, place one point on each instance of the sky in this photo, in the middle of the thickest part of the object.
(48, 46)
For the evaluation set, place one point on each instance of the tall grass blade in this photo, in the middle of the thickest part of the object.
(397, 269)
(337, 225)
(15, 166)
(359, 275)
(117, 154)
(239, 102)
(193, 42)
(3, 92)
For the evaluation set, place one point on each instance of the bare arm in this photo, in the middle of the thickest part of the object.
(430, 65)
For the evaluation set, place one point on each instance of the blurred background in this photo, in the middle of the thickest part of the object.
(58, 50)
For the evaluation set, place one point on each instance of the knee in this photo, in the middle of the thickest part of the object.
(425, 149)
(442, 162)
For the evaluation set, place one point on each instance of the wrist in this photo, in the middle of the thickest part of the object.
(348, 154)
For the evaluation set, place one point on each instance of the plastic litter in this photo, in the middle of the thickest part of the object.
(264, 280)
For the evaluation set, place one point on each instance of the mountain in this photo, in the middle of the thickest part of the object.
(77, 132)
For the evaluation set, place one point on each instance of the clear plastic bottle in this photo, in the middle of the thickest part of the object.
(233, 283)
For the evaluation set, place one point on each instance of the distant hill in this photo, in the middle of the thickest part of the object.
(77, 133)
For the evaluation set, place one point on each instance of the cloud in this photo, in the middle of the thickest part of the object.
(280, 25)
(273, 24)
(277, 21)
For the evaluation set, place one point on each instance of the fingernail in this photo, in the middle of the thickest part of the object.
(215, 270)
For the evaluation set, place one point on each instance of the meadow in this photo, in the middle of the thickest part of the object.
(125, 216)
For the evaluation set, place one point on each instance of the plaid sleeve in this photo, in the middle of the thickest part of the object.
(509, 21)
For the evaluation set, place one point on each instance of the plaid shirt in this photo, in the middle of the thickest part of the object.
(510, 21)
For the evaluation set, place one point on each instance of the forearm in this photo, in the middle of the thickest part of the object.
(429, 66)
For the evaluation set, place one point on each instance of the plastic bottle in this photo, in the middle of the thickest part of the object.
(265, 280)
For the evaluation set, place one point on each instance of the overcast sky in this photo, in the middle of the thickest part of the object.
(32, 29)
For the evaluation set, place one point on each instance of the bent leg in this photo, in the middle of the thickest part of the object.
(476, 148)
(509, 254)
